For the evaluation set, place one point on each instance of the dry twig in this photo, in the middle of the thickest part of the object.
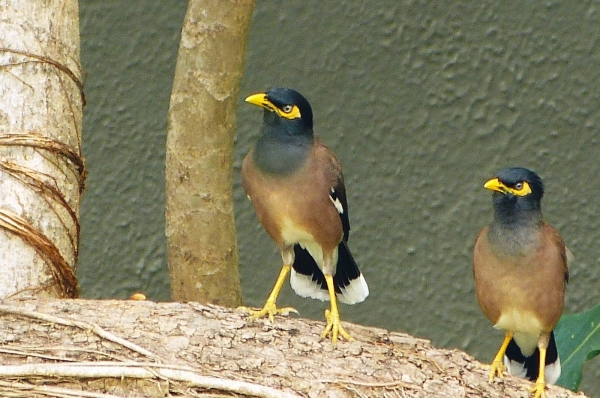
(80, 324)
(52, 391)
(138, 371)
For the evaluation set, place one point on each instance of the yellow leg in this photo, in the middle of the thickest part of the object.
(333, 317)
(270, 307)
(497, 366)
(539, 389)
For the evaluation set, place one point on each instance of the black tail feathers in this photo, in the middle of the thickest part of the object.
(346, 270)
(528, 367)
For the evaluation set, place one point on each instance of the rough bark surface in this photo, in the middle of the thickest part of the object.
(128, 348)
(201, 235)
(41, 169)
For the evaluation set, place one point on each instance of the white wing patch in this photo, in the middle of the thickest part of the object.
(570, 257)
(336, 202)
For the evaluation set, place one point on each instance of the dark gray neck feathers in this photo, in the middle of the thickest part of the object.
(274, 155)
(515, 230)
(283, 147)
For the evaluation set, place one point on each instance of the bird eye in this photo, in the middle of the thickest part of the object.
(287, 108)
(519, 186)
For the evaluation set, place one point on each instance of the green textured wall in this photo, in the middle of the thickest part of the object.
(421, 103)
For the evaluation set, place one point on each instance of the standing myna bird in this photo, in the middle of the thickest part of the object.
(520, 269)
(297, 188)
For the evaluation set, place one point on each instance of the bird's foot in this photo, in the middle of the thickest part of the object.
(496, 369)
(269, 309)
(539, 389)
(335, 327)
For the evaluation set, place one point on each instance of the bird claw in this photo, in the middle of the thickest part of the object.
(335, 327)
(538, 389)
(269, 309)
(496, 369)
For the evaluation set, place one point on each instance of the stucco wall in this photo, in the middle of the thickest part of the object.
(420, 103)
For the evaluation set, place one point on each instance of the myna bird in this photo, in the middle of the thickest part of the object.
(520, 269)
(297, 188)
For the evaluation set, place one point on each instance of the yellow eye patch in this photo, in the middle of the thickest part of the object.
(520, 189)
(288, 112)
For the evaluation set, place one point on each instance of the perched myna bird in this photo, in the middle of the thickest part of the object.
(297, 188)
(520, 269)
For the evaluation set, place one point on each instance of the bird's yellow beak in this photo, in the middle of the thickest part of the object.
(495, 185)
(261, 100)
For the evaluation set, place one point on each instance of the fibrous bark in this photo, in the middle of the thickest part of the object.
(132, 348)
(41, 168)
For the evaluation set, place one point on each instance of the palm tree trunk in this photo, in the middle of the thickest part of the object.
(41, 168)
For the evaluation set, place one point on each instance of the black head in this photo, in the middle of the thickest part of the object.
(285, 108)
(517, 192)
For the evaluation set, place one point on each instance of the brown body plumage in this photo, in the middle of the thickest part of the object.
(530, 283)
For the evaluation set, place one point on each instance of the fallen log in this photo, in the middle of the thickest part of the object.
(109, 348)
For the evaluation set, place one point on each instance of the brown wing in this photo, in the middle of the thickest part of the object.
(554, 240)
(338, 189)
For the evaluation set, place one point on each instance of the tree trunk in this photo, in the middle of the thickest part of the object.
(201, 236)
(41, 168)
(135, 349)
